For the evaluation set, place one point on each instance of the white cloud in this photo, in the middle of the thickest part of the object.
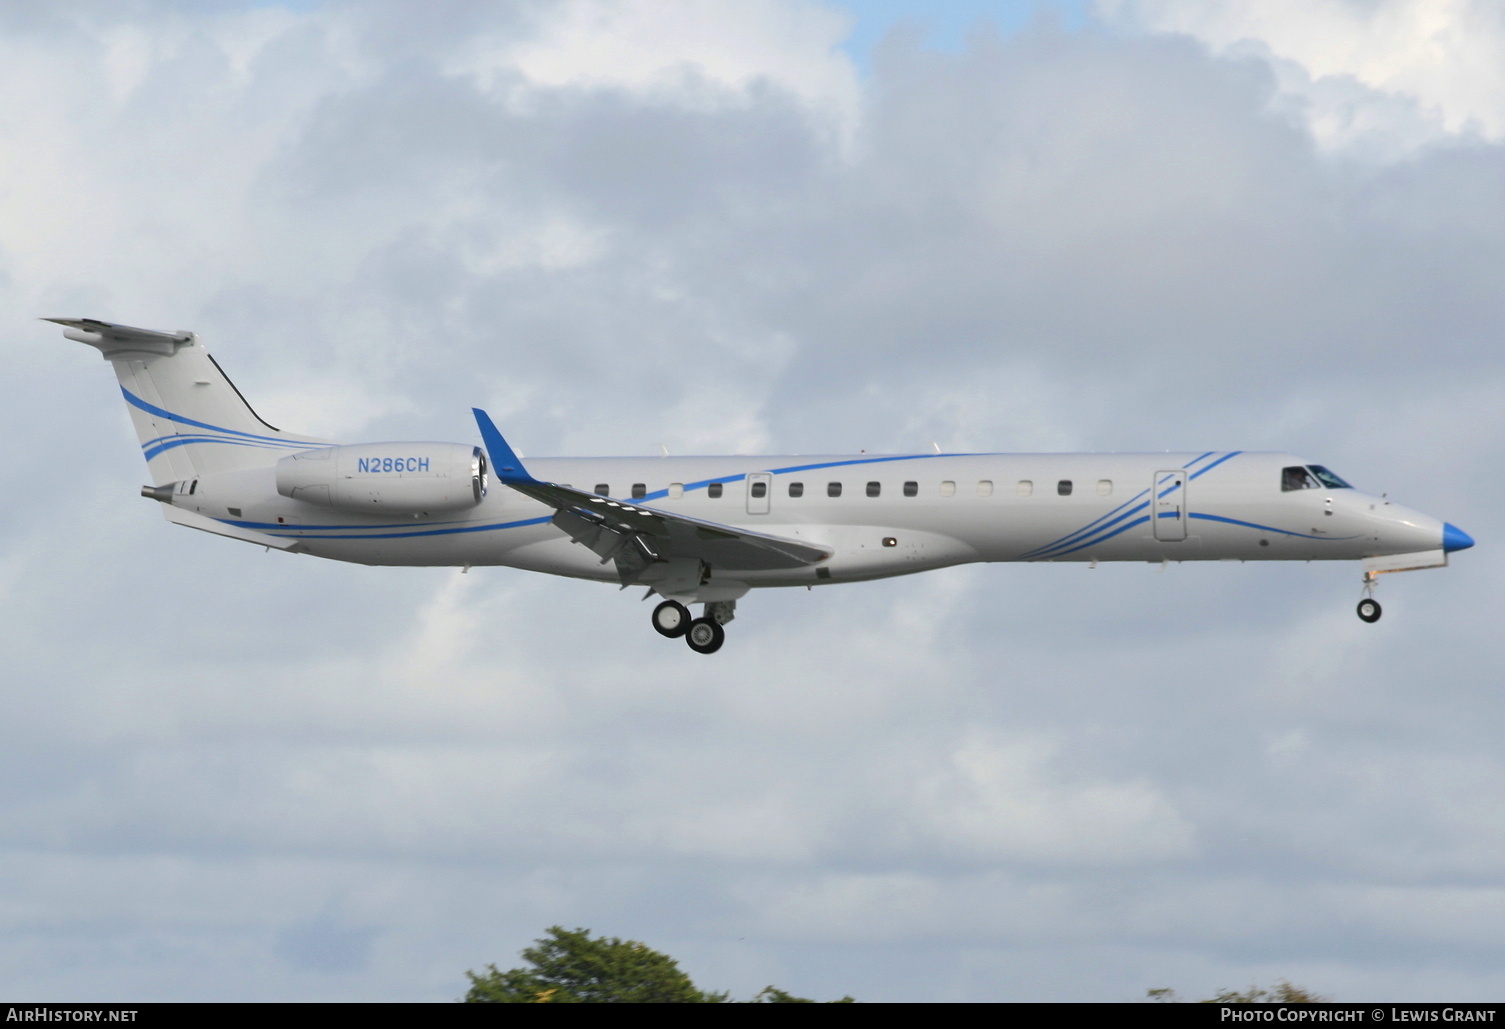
(1394, 74)
(1010, 799)
(696, 51)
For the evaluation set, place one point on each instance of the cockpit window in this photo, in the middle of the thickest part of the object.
(1327, 478)
(1296, 477)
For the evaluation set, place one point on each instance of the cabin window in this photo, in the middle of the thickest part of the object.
(713, 490)
(948, 488)
(911, 489)
(1324, 476)
(759, 489)
(1104, 487)
(639, 490)
(1025, 487)
(1296, 477)
(796, 489)
(1063, 488)
(874, 488)
(676, 490)
(833, 489)
(604, 489)
(985, 488)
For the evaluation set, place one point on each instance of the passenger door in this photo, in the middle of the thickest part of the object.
(1168, 505)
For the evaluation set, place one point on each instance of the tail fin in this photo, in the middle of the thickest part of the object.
(189, 416)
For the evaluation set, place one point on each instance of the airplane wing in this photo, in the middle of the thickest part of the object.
(635, 536)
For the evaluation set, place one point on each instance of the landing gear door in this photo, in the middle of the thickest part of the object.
(1168, 505)
(759, 486)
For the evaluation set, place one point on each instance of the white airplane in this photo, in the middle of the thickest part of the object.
(708, 529)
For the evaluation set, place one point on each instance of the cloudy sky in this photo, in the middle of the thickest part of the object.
(772, 226)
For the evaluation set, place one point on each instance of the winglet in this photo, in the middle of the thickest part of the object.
(506, 465)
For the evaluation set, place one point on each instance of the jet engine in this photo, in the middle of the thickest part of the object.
(389, 478)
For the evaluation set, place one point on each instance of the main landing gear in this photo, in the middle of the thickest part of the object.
(704, 634)
(1369, 608)
(671, 619)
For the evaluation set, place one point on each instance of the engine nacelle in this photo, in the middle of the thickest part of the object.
(391, 478)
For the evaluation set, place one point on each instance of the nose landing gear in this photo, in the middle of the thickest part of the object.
(705, 634)
(1369, 608)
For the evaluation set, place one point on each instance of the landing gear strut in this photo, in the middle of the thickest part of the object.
(1369, 608)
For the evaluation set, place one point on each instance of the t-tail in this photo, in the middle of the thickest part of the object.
(189, 417)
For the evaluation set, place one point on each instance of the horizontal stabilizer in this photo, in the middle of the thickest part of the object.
(111, 338)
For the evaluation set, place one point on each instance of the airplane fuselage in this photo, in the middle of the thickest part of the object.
(881, 515)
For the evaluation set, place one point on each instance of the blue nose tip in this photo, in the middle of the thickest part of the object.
(1454, 538)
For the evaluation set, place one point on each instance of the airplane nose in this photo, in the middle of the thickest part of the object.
(1454, 538)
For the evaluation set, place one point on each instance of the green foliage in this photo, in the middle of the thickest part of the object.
(571, 967)
(774, 995)
(1281, 993)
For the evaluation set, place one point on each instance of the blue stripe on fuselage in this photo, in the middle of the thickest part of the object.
(1099, 523)
(1267, 528)
(1089, 528)
(703, 483)
(1226, 457)
(135, 401)
(491, 527)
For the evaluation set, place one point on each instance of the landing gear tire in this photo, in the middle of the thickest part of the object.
(705, 636)
(671, 619)
(1369, 610)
